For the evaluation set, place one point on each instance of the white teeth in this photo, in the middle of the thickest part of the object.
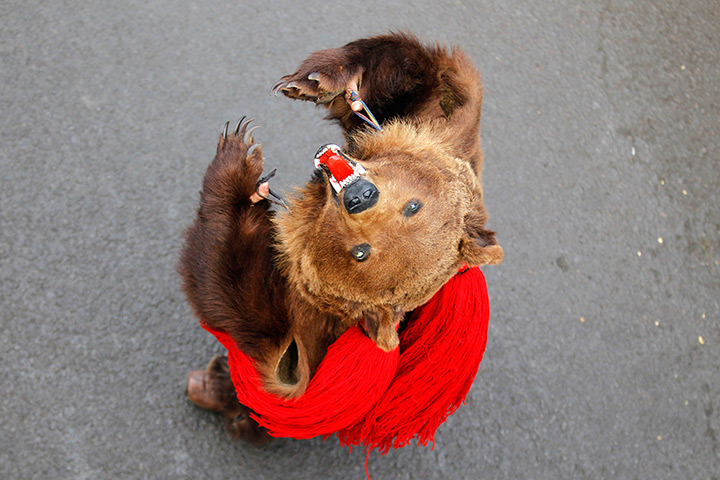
(349, 179)
(336, 186)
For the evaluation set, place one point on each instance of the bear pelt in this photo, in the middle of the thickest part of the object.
(287, 284)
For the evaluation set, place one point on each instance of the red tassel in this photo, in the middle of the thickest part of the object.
(378, 399)
(349, 380)
(441, 350)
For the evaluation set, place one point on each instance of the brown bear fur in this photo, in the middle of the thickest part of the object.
(286, 286)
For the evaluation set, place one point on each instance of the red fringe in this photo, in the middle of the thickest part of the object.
(350, 379)
(377, 399)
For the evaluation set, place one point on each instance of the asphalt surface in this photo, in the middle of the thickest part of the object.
(602, 177)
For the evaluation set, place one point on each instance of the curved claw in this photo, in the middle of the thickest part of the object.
(315, 76)
(237, 127)
(280, 201)
(278, 85)
(247, 137)
(225, 130)
(290, 87)
(243, 127)
(266, 177)
(252, 148)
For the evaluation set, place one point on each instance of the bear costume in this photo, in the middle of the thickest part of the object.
(382, 225)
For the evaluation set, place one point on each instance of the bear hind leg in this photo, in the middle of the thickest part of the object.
(212, 389)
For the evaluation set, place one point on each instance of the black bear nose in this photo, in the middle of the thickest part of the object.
(359, 196)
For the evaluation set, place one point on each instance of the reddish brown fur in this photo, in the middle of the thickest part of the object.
(270, 281)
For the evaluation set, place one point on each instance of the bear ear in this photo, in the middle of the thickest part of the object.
(478, 245)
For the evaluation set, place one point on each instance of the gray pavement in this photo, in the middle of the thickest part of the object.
(602, 177)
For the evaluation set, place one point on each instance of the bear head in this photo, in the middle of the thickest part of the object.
(408, 215)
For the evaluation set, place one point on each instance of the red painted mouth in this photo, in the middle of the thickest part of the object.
(343, 171)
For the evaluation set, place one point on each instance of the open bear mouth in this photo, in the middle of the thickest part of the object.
(342, 171)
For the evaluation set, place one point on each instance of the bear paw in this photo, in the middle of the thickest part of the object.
(212, 388)
(241, 425)
(239, 145)
(317, 82)
(238, 164)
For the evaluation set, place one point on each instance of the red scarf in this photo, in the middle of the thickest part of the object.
(380, 399)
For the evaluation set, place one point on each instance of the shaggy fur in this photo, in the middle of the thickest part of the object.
(286, 286)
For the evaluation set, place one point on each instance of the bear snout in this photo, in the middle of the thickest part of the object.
(360, 195)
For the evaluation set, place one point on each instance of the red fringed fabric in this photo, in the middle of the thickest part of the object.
(351, 377)
(378, 399)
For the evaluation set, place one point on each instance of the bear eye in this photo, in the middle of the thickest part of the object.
(360, 252)
(412, 207)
